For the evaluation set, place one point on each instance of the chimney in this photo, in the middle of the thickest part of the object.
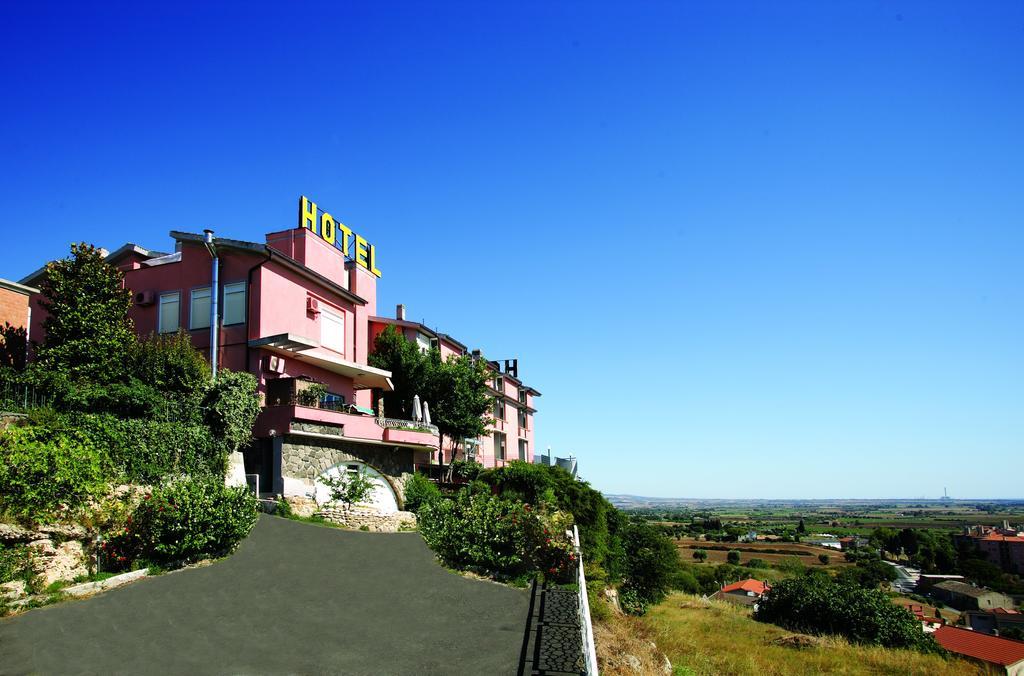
(400, 312)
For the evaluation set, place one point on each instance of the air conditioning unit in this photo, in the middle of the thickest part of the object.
(312, 305)
(273, 364)
(145, 298)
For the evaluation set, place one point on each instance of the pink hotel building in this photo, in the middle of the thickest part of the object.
(299, 308)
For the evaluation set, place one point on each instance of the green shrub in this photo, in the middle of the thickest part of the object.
(733, 557)
(600, 524)
(45, 478)
(498, 537)
(143, 451)
(814, 604)
(184, 521)
(231, 406)
(171, 365)
(419, 490)
(757, 563)
(466, 469)
(16, 564)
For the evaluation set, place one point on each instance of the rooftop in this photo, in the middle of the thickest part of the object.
(963, 588)
(751, 585)
(994, 649)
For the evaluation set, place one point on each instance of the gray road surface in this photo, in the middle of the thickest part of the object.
(295, 599)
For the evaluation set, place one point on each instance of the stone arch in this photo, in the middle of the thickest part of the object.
(387, 497)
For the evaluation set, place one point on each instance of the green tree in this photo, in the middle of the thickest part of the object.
(459, 399)
(824, 559)
(801, 528)
(13, 346)
(88, 332)
(733, 557)
(349, 487)
(650, 565)
(700, 554)
(409, 372)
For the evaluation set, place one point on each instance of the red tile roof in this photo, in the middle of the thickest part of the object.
(994, 649)
(750, 585)
(996, 537)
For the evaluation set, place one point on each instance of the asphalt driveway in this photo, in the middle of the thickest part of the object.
(295, 599)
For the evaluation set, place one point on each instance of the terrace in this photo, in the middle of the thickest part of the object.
(298, 406)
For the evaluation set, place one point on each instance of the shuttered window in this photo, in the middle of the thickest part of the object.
(170, 311)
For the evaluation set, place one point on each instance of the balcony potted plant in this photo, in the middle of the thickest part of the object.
(311, 395)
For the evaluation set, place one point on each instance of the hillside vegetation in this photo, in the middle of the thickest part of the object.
(716, 638)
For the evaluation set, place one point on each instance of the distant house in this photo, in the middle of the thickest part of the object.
(745, 592)
(997, 621)
(822, 541)
(963, 596)
(852, 542)
(750, 536)
(1005, 654)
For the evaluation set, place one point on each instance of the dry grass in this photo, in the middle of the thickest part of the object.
(719, 638)
(624, 643)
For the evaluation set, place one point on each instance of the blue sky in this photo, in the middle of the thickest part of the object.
(744, 249)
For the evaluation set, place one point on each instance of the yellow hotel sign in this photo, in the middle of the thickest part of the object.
(338, 235)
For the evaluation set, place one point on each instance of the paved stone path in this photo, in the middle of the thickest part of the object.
(552, 643)
(295, 599)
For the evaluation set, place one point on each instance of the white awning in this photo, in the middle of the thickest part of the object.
(296, 347)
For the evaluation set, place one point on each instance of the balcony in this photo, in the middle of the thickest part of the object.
(299, 406)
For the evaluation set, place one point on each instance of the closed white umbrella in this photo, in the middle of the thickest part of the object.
(417, 411)
(426, 413)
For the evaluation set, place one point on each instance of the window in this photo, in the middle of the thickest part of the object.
(170, 311)
(524, 418)
(522, 449)
(333, 402)
(499, 446)
(423, 342)
(234, 304)
(199, 309)
(499, 384)
(522, 395)
(499, 408)
(332, 331)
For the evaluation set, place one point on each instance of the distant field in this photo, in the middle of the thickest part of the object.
(806, 554)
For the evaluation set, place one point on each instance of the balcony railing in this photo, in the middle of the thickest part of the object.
(412, 425)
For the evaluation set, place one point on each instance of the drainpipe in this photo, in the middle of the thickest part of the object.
(248, 301)
(214, 293)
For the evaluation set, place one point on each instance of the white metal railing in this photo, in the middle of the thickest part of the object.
(583, 607)
(406, 424)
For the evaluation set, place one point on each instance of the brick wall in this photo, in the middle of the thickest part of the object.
(13, 307)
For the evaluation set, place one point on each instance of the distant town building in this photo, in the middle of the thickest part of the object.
(963, 596)
(996, 621)
(1005, 654)
(852, 542)
(1003, 546)
(745, 592)
(926, 582)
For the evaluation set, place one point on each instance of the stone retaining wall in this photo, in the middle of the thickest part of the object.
(357, 517)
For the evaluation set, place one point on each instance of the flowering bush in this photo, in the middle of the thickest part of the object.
(181, 522)
(497, 536)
